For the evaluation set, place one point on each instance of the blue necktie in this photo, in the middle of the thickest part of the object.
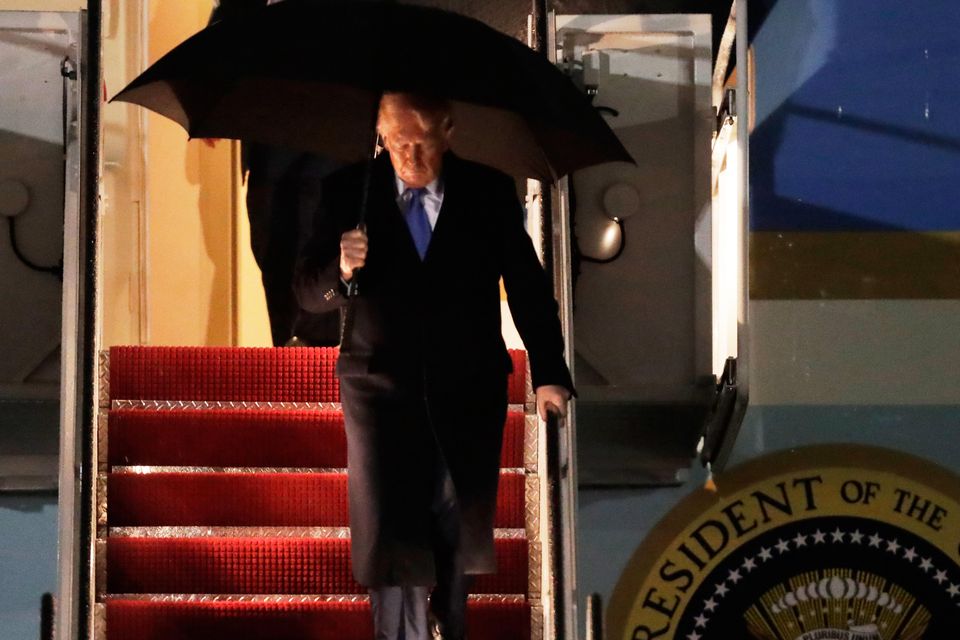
(417, 221)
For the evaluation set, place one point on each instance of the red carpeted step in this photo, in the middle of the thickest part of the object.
(266, 566)
(224, 374)
(234, 374)
(144, 620)
(514, 436)
(517, 382)
(248, 438)
(227, 499)
(227, 438)
(256, 499)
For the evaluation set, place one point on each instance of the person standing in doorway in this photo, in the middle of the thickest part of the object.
(283, 192)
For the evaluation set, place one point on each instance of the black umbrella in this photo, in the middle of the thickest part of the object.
(309, 75)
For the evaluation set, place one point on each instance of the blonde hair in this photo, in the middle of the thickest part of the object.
(432, 112)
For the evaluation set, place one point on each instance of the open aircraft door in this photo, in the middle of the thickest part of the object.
(649, 260)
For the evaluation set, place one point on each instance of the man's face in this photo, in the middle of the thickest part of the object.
(416, 145)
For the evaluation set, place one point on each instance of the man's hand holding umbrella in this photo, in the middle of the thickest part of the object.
(353, 253)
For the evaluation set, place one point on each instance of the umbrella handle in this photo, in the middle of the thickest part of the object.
(353, 289)
(346, 326)
(367, 176)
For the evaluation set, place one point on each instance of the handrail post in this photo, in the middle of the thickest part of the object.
(46, 616)
(594, 617)
(557, 581)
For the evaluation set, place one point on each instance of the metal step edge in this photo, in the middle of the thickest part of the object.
(156, 469)
(200, 405)
(495, 598)
(151, 469)
(331, 533)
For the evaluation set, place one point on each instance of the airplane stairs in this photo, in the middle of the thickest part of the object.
(221, 502)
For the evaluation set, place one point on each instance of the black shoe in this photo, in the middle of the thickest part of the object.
(435, 630)
(433, 627)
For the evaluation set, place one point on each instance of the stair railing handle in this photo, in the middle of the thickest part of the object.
(594, 617)
(46, 617)
(554, 475)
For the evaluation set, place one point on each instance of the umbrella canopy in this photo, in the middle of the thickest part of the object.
(309, 75)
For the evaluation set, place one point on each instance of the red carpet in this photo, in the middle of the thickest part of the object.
(265, 566)
(139, 620)
(245, 438)
(256, 499)
(181, 464)
(288, 374)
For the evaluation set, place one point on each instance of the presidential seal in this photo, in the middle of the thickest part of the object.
(838, 542)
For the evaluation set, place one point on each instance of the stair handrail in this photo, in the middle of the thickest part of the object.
(555, 532)
(594, 617)
(46, 617)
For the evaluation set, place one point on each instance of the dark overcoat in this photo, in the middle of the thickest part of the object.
(423, 370)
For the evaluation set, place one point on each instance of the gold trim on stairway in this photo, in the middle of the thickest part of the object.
(103, 437)
(536, 620)
(206, 405)
(100, 566)
(104, 387)
(181, 405)
(99, 621)
(504, 598)
(143, 470)
(101, 500)
(531, 463)
(531, 443)
(150, 469)
(532, 520)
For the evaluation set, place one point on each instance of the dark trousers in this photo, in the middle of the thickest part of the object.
(400, 612)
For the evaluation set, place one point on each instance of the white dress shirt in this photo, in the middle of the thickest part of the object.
(432, 199)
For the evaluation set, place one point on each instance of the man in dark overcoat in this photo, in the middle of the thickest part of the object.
(423, 366)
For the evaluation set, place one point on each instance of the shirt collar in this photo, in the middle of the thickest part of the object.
(434, 188)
